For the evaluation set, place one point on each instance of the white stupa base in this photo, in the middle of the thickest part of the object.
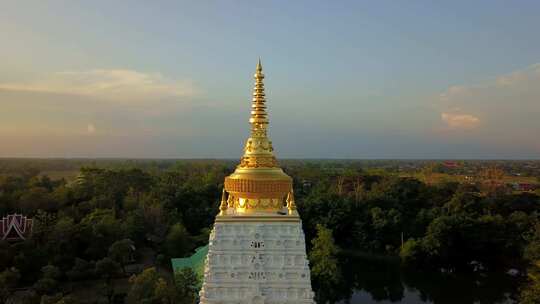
(257, 262)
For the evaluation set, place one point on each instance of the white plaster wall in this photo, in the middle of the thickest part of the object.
(256, 263)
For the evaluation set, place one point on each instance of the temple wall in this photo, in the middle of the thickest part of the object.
(256, 263)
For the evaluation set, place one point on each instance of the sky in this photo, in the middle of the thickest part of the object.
(344, 79)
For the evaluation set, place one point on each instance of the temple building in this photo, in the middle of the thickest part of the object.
(257, 251)
(15, 227)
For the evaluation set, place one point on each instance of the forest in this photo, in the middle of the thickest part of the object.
(111, 229)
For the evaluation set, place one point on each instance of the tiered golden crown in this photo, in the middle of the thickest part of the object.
(258, 185)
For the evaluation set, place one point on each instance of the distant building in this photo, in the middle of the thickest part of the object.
(15, 227)
(524, 186)
(450, 164)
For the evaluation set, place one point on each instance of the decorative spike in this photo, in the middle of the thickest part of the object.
(291, 206)
(223, 205)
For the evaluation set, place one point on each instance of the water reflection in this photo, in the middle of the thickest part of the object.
(370, 280)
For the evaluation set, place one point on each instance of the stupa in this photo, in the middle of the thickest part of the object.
(257, 250)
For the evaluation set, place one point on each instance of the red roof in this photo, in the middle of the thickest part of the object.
(451, 164)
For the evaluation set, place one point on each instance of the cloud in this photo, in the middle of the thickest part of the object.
(91, 129)
(112, 84)
(502, 111)
(460, 121)
(96, 104)
(528, 76)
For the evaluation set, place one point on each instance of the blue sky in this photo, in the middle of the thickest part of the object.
(357, 79)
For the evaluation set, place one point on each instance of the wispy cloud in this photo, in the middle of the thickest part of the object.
(501, 111)
(91, 128)
(460, 121)
(109, 84)
(99, 103)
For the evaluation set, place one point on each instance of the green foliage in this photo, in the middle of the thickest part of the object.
(186, 284)
(48, 284)
(532, 251)
(63, 231)
(81, 270)
(107, 268)
(103, 228)
(323, 256)
(58, 299)
(464, 202)
(410, 252)
(143, 287)
(149, 287)
(167, 208)
(8, 280)
(122, 251)
(134, 226)
(178, 242)
(36, 198)
(530, 294)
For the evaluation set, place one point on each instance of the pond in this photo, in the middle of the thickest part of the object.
(375, 280)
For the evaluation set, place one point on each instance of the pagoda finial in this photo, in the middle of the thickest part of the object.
(258, 185)
(259, 65)
(259, 117)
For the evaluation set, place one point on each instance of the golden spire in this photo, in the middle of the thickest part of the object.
(258, 185)
(258, 151)
(259, 117)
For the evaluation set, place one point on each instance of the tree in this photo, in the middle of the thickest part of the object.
(178, 241)
(410, 252)
(164, 293)
(62, 236)
(359, 190)
(81, 270)
(121, 252)
(48, 284)
(58, 299)
(107, 269)
(324, 264)
(142, 286)
(103, 228)
(464, 201)
(149, 287)
(530, 294)
(8, 280)
(36, 198)
(387, 227)
(186, 283)
(323, 256)
(44, 223)
(133, 226)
